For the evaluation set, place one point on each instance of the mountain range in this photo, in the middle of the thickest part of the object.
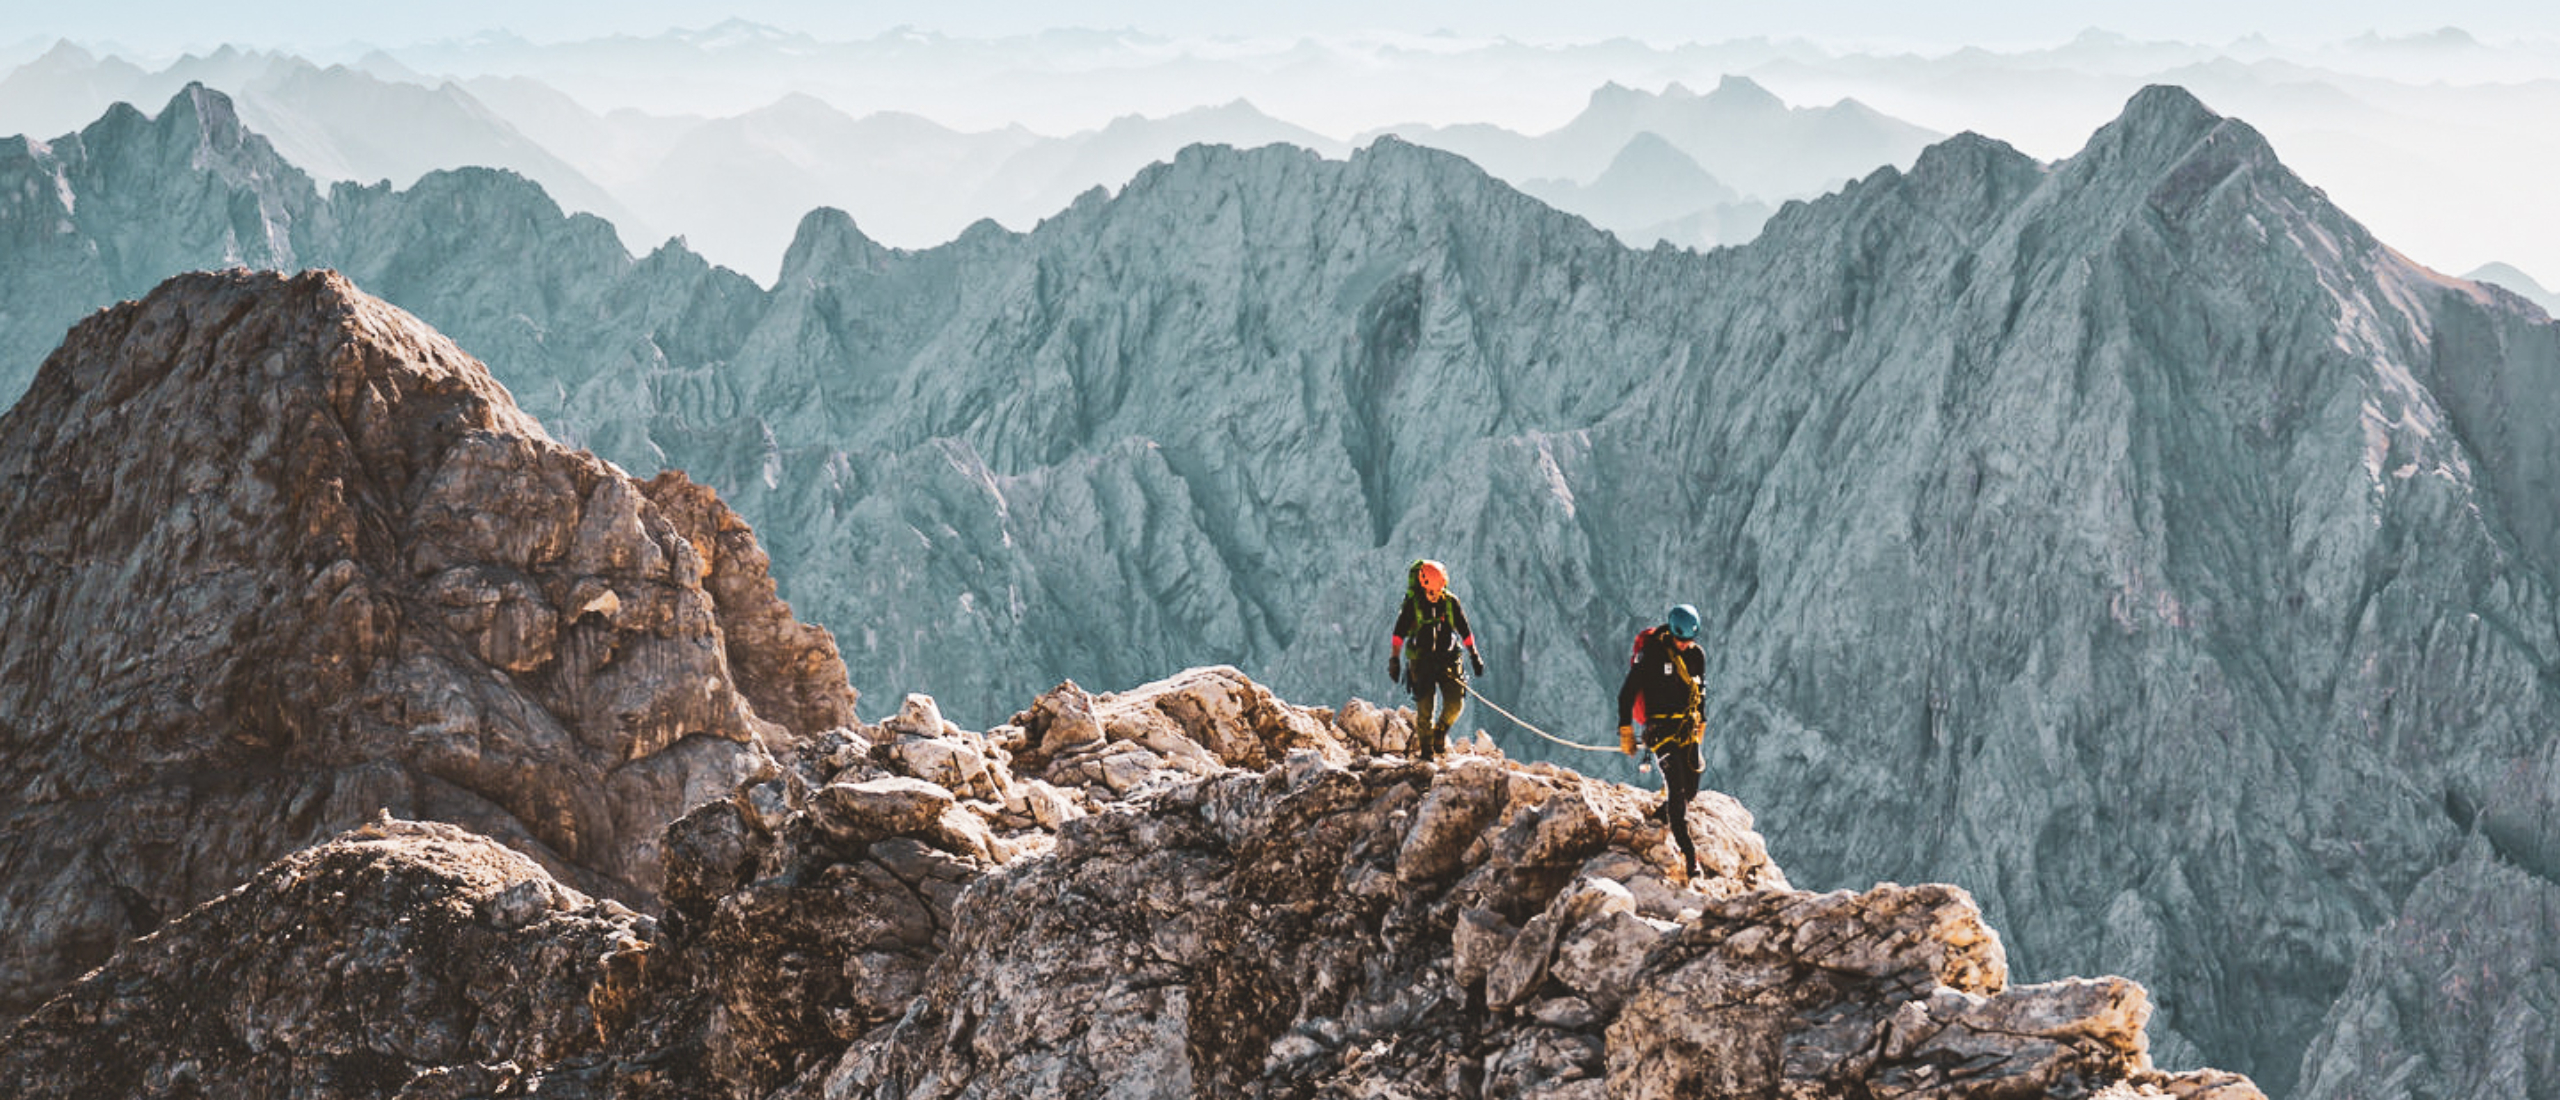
(1652, 192)
(2370, 117)
(912, 132)
(335, 122)
(2013, 492)
(735, 187)
(1755, 143)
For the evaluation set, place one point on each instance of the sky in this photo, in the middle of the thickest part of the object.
(171, 26)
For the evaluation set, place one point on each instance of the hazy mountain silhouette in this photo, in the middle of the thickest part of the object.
(1740, 133)
(1654, 192)
(334, 123)
(2506, 276)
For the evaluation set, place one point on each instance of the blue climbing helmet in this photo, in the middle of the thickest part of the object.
(1683, 621)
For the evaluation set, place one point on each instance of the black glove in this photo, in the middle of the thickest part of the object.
(1475, 661)
(1395, 668)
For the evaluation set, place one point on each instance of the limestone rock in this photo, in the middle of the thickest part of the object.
(285, 558)
(881, 807)
(855, 931)
(400, 956)
(1258, 922)
(2482, 933)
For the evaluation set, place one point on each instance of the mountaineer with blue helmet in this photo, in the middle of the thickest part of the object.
(1665, 689)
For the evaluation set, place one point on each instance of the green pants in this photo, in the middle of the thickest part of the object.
(1434, 728)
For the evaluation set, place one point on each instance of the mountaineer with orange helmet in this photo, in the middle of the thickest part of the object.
(1437, 629)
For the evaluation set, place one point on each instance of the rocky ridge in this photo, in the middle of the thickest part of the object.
(1190, 888)
(286, 557)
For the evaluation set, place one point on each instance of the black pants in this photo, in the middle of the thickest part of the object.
(1681, 767)
(1433, 729)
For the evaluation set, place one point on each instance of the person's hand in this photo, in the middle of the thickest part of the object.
(1395, 668)
(1476, 661)
(1627, 740)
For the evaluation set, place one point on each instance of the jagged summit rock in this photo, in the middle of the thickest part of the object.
(1190, 888)
(284, 557)
(2168, 138)
(827, 239)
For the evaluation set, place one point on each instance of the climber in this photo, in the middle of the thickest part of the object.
(1663, 689)
(1436, 627)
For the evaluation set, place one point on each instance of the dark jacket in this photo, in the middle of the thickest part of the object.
(1668, 677)
(1433, 632)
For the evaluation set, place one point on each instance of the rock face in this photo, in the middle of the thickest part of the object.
(2481, 932)
(284, 557)
(402, 958)
(1259, 904)
(2131, 538)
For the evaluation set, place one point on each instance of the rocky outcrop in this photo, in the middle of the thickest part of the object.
(403, 958)
(1188, 889)
(286, 558)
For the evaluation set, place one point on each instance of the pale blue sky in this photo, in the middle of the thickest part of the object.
(170, 25)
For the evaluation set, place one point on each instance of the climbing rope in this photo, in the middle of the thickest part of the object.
(1517, 721)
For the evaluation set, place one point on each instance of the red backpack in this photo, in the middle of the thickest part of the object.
(1634, 653)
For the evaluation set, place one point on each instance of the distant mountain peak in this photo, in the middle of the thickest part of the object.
(2099, 36)
(1233, 109)
(1649, 151)
(798, 105)
(65, 54)
(1971, 152)
(828, 240)
(1737, 91)
(2167, 101)
(1971, 179)
(1392, 151)
(2441, 38)
(1652, 174)
(2164, 124)
(1613, 95)
(212, 113)
(2506, 276)
(736, 31)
